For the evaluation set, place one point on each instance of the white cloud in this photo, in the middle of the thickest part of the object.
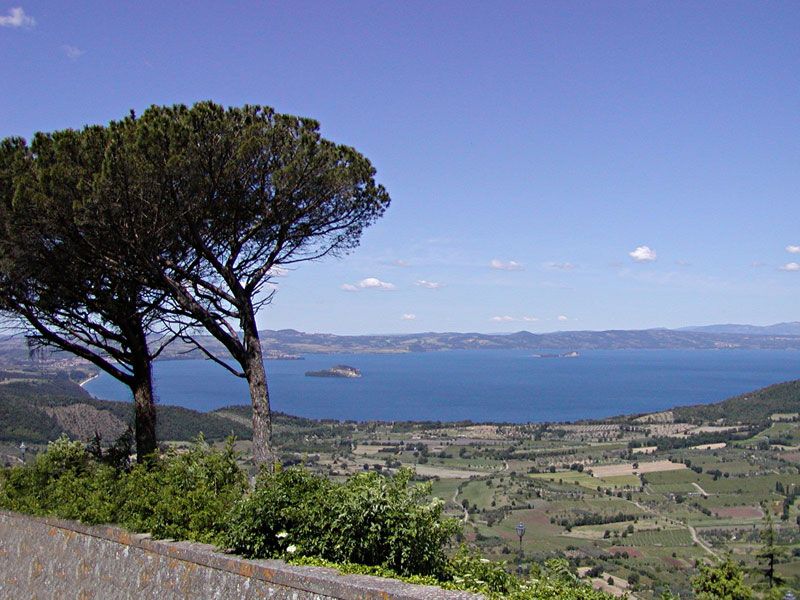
(373, 283)
(511, 265)
(562, 318)
(510, 319)
(683, 263)
(277, 272)
(370, 283)
(431, 285)
(73, 52)
(793, 249)
(17, 18)
(792, 266)
(400, 263)
(565, 266)
(643, 254)
(409, 317)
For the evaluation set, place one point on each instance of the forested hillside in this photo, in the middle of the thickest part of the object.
(751, 408)
(38, 410)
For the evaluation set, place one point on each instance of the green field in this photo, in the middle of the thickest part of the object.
(665, 538)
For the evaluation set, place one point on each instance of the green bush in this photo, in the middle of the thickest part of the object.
(469, 570)
(63, 481)
(182, 496)
(370, 520)
(724, 581)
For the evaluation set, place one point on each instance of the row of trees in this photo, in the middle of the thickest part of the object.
(117, 240)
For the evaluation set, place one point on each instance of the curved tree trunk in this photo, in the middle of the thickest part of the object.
(144, 411)
(256, 374)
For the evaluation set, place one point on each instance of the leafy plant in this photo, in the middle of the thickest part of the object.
(183, 496)
(724, 581)
(370, 519)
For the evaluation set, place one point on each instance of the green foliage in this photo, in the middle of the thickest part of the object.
(724, 581)
(777, 593)
(183, 496)
(470, 572)
(554, 581)
(63, 481)
(369, 519)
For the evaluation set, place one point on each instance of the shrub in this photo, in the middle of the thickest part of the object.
(63, 481)
(470, 571)
(370, 519)
(724, 581)
(182, 496)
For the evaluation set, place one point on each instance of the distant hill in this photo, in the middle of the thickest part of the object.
(290, 341)
(782, 329)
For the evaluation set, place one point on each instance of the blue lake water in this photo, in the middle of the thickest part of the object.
(481, 385)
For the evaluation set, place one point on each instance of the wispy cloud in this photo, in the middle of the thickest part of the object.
(511, 265)
(683, 263)
(73, 52)
(563, 318)
(431, 285)
(793, 249)
(409, 317)
(643, 254)
(400, 263)
(348, 287)
(16, 17)
(502, 319)
(560, 266)
(791, 266)
(510, 319)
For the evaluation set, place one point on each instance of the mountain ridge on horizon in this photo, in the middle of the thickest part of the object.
(785, 328)
(298, 342)
(292, 343)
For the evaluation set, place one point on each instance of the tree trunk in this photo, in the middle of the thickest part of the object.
(144, 411)
(256, 374)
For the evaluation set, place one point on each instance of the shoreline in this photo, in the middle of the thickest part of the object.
(88, 379)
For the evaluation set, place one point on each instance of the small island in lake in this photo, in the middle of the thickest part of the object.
(572, 354)
(336, 371)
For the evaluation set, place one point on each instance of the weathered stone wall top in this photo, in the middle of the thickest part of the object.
(52, 558)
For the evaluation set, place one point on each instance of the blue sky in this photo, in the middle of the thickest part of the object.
(552, 165)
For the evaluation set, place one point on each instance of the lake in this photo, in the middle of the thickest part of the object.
(479, 385)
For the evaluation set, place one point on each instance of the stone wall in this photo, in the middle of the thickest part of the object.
(44, 558)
